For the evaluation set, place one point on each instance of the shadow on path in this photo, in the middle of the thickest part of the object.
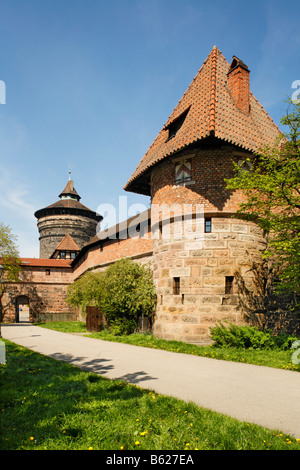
(97, 366)
(136, 377)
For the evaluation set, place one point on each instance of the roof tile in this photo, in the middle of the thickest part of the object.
(46, 263)
(212, 111)
(67, 243)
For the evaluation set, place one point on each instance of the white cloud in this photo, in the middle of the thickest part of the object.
(13, 195)
(17, 212)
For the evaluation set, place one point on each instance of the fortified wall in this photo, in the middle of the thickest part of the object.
(130, 239)
(41, 292)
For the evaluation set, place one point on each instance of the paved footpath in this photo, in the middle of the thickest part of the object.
(262, 395)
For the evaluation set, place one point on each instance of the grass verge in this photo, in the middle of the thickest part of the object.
(269, 358)
(51, 405)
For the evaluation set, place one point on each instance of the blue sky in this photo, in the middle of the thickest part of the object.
(90, 83)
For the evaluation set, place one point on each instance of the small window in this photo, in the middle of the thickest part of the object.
(176, 285)
(160, 229)
(229, 284)
(175, 125)
(207, 225)
(73, 255)
(47, 272)
(183, 172)
(62, 254)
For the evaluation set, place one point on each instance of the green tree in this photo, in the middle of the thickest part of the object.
(272, 190)
(10, 267)
(123, 293)
(129, 293)
(86, 291)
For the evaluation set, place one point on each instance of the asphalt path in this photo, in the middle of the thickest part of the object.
(255, 394)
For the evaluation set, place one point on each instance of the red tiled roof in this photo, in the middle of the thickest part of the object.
(69, 205)
(70, 190)
(67, 243)
(212, 112)
(46, 263)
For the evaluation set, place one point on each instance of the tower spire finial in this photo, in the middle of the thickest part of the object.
(69, 173)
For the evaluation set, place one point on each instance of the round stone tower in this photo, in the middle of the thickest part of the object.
(199, 246)
(66, 216)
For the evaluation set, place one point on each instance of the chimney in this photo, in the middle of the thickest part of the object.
(239, 84)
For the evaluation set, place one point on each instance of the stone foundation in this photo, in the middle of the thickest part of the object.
(195, 278)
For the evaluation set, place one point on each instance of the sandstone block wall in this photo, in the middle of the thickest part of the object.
(52, 230)
(203, 270)
(46, 290)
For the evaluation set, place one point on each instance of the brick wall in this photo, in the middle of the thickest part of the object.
(106, 252)
(209, 169)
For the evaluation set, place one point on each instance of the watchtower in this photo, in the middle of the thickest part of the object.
(198, 245)
(67, 216)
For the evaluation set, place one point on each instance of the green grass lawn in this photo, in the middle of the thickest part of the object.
(269, 358)
(49, 404)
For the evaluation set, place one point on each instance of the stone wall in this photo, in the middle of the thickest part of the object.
(195, 278)
(46, 289)
(52, 230)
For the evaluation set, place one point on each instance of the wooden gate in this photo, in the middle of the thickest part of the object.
(94, 319)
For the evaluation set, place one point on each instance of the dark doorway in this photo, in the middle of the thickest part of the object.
(22, 309)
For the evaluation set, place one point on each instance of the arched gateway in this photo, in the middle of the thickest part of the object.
(22, 309)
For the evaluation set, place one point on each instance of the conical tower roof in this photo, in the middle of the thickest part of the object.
(68, 204)
(207, 109)
(70, 192)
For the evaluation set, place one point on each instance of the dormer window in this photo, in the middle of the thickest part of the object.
(175, 125)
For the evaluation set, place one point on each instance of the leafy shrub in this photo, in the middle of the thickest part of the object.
(123, 293)
(242, 337)
(122, 326)
(285, 341)
(86, 291)
(129, 292)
